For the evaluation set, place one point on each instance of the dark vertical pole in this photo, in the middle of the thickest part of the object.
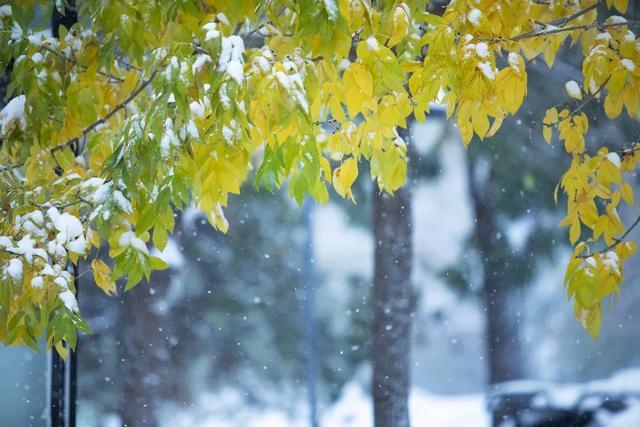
(309, 285)
(67, 19)
(64, 381)
(57, 390)
(392, 305)
(63, 376)
(72, 370)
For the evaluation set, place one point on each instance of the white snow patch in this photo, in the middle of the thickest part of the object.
(236, 70)
(211, 31)
(70, 231)
(372, 44)
(573, 89)
(199, 63)
(223, 18)
(102, 192)
(192, 130)
(513, 61)
(197, 108)
(228, 408)
(487, 70)
(14, 269)
(13, 112)
(614, 158)
(293, 84)
(332, 9)
(36, 58)
(69, 300)
(26, 247)
(122, 202)
(129, 238)
(474, 16)
(354, 408)
(482, 50)
(5, 241)
(628, 64)
(36, 282)
(617, 19)
(231, 60)
(169, 138)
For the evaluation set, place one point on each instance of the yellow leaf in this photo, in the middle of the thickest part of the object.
(590, 318)
(627, 193)
(363, 78)
(344, 177)
(216, 218)
(626, 249)
(495, 126)
(326, 168)
(550, 119)
(62, 350)
(574, 231)
(621, 5)
(480, 122)
(102, 277)
(400, 25)
(94, 237)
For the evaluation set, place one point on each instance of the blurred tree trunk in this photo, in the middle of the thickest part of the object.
(149, 345)
(503, 347)
(392, 305)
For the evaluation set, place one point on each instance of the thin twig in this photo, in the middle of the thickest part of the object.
(564, 21)
(126, 65)
(536, 33)
(64, 205)
(617, 241)
(111, 77)
(580, 106)
(590, 98)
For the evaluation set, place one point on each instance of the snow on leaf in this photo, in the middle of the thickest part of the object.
(573, 90)
(14, 269)
(129, 239)
(13, 114)
(69, 300)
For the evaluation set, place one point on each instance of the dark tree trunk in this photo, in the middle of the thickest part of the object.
(503, 347)
(391, 306)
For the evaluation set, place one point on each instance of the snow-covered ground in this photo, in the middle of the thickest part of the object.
(352, 409)
(228, 408)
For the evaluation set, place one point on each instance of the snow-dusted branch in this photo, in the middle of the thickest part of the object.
(110, 114)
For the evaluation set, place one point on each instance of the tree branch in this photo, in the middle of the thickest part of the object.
(537, 33)
(110, 114)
